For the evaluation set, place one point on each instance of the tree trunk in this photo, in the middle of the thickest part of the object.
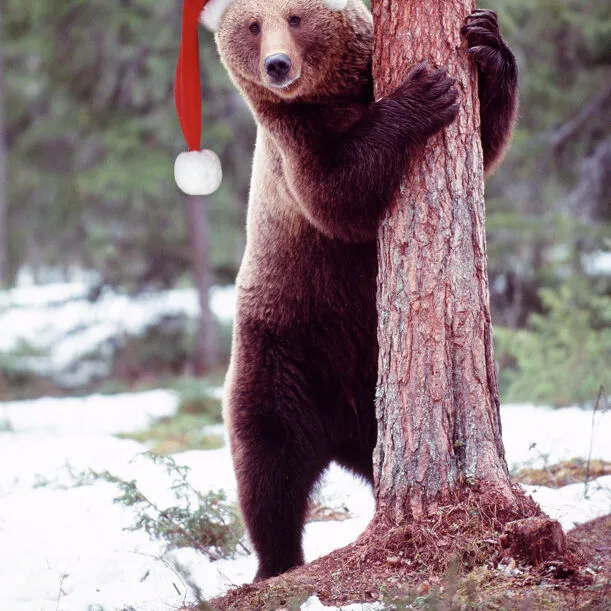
(3, 166)
(437, 401)
(207, 343)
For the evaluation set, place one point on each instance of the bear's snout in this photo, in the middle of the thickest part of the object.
(277, 66)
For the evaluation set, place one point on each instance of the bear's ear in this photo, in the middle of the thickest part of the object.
(210, 17)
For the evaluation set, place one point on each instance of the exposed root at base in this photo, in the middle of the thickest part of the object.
(454, 555)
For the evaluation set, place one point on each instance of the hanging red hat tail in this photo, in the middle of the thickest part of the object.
(188, 88)
(196, 172)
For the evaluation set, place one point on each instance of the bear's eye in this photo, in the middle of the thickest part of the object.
(294, 21)
(254, 27)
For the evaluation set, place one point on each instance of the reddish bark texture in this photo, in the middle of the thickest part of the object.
(437, 399)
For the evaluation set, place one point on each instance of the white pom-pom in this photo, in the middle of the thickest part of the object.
(210, 17)
(336, 5)
(198, 172)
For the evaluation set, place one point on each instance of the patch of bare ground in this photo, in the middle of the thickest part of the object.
(595, 540)
(322, 513)
(450, 561)
(572, 471)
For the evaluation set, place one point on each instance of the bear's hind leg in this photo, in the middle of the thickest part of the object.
(274, 493)
(278, 444)
(356, 452)
(357, 458)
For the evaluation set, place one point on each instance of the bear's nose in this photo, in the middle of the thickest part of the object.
(278, 65)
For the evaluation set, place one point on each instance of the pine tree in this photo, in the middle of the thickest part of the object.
(439, 435)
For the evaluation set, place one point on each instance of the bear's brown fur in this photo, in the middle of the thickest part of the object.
(300, 390)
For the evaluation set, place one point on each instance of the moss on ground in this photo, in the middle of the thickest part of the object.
(178, 433)
(573, 471)
(189, 427)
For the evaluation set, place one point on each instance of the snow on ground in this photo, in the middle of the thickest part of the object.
(92, 415)
(536, 436)
(572, 505)
(314, 604)
(64, 547)
(72, 339)
(597, 263)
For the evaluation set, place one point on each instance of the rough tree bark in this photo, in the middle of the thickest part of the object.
(207, 342)
(437, 400)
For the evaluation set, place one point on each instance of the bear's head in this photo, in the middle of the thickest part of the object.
(291, 49)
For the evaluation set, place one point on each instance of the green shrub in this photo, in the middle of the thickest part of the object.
(564, 355)
(187, 428)
(196, 399)
(207, 523)
(178, 433)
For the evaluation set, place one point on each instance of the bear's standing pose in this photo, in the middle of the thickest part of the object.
(300, 389)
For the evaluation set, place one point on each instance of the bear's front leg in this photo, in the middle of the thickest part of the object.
(422, 105)
(498, 83)
(345, 182)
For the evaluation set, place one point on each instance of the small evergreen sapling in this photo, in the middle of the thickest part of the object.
(563, 357)
(207, 523)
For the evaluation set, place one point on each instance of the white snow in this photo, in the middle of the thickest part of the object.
(67, 543)
(572, 505)
(597, 263)
(94, 414)
(535, 436)
(73, 339)
(314, 604)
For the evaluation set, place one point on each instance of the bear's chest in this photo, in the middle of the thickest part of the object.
(303, 274)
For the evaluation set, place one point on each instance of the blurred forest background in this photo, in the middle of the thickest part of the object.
(88, 135)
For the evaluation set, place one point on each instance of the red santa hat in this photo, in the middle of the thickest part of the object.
(198, 172)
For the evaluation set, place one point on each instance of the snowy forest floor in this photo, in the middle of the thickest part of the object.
(68, 550)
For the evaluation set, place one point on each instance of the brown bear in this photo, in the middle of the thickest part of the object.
(327, 161)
